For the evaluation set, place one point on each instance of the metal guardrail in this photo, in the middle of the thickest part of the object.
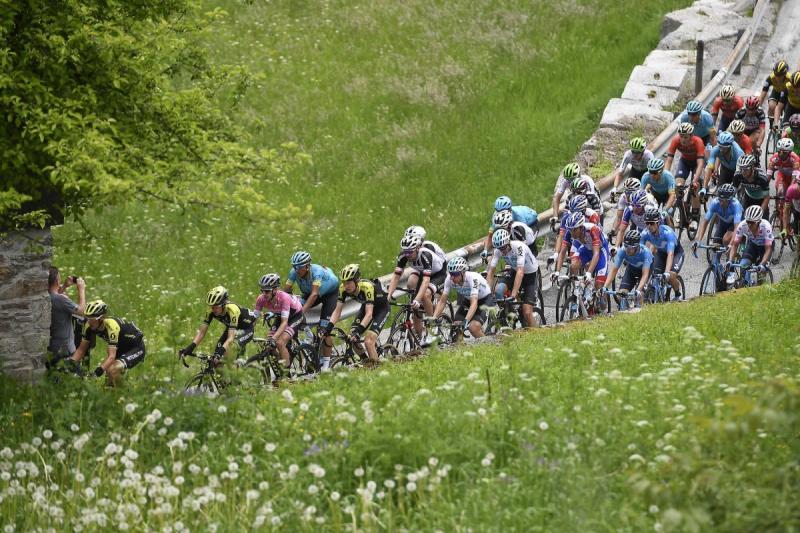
(471, 252)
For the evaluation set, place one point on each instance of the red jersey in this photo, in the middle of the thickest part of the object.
(691, 149)
(728, 109)
(744, 143)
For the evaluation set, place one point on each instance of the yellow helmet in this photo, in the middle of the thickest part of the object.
(96, 309)
(217, 296)
(350, 272)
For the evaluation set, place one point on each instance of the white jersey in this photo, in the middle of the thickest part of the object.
(473, 286)
(523, 232)
(563, 184)
(761, 237)
(435, 248)
(517, 254)
(639, 164)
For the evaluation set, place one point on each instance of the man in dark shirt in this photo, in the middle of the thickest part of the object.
(62, 332)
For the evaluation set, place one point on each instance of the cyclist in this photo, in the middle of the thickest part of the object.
(725, 106)
(639, 260)
(691, 162)
(525, 283)
(758, 233)
(754, 181)
(585, 185)
(792, 131)
(419, 230)
(290, 310)
(667, 251)
(634, 214)
(736, 128)
(374, 308)
(428, 274)
(791, 206)
(633, 164)
(727, 152)
(318, 286)
(629, 187)
(699, 118)
(565, 182)
(519, 213)
(776, 80)
(519, 231)
(726, 210)
(754, 122)
(661, 184)
(789, 102)
(124, 340)
(588, 249)
(782, 164)
(576, 204)
(473, 296)
(239, 323)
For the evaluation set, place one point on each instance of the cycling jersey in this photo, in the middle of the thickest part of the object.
(762, 237)
(435, 248)
(793, 195)
(592, 236)
(522, 232)
(233, 316)
(757, 187)
(643, 258)
(728, 109)
(523, 214)
(664, 185)
(624, 200)
(472, 285)
(744, 143)
(728, 162)
(638, 163)
(664, 240)
(791, 95)
(427, 263)
(118, 332)
(563, 184)
(784, 166)
(517, 254)
(629, 216)
(731, 214)
(691, 150)
(703, 126)
(752, 121)
(318, 275)
(778, 86)
(368, 291)
(282, 303)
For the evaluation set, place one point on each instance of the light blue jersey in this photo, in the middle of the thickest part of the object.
(664, 241)
(728, 162)
(643, 258)
(733, 214)
(703, 128)
(662, 186)
(322, 276)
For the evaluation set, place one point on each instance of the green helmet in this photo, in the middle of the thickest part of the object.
(638, 144)
(571, 171)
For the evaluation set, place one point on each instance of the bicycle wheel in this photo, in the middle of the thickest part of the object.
(348, 358)
(201, 383)
(708, 283)
(668, 294)
(444, 331)
(765, 278)
(538, 316)
(400, 335)
(679, 218)
(567, 310)
(769, 148)
(302, 360)
(778, 244)
(691, 229)
(709, 235)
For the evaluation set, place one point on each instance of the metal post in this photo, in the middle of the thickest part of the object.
(738, 69)
(698, 68)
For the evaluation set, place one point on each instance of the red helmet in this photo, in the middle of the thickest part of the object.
(752, 102)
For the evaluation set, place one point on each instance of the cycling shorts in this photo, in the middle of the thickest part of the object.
(480, 314)
(788, 111)
(631, 278)
(294, 324)
(660, 260)
(724, 175)
(720, 229)
(753, 253)
(328, 303)
(724, 122)
(528, 290)
(685, 167)
(133, 356)
(661, 198)
(379, 315)
(774, 95)
(584, 255)
(748, 201)
(436, 282)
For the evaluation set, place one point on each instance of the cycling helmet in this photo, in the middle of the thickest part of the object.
(572, 170)
(726, 191)
(752, 102)
(694, 107)
(96, 309)
(725, 138)
(270, 281)
(727, 92)
(502, 202)
(736, 127)
(631, 184)
(780, 68)
(409, 243)
(638, 144)
(501, 238)
(794, 121)
(746, 161)
(582, 185)
(794, 79)
(350, 272)
(753, 213)
(503, 218)
(655, 165)
(457, 264)
(785, 145)
(632, 237)
(217, 296)
(686, 128)
(640, 199)
(651, 214)
(574, 220)
(300, 258)
(416, 230)
(577, 204)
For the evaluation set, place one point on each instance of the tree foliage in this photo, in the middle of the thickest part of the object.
(110, 101)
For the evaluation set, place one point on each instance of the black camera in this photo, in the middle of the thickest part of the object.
(73, 279)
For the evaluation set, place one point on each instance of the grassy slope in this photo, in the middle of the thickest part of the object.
(620, 424)
(413, 112)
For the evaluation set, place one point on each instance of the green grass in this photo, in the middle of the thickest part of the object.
(679, 418)
(413, 112)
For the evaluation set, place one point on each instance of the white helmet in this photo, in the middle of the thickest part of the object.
(753, 213)
(503, 218)
(416, 230)
(785, 145)
(409, 243)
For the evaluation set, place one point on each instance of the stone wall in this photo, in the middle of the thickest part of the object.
(24, 302)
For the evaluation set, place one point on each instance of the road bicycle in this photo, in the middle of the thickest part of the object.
(658, 290)
(714, 277)
(625, 299)
(355, 353)
(775, 221)
(750, 275)
(406, 339)
(576, 300)
(207, 380)
(681, 216)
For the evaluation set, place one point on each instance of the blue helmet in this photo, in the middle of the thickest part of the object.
(502, 202)
(577, 204)
(574, 220)
(725, 138)
(639, 198)
(726, 191)
(300, 258)
(655, 165)
(694, 107)
(501, 238)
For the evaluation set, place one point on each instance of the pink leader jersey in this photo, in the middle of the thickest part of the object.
(283, 304)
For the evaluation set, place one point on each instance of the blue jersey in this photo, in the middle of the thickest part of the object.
(641, 259)
(703, 128)
(664, 241)
(321, 276)
(662, 186)
(732, 214)
(524, 214)
(728, 162)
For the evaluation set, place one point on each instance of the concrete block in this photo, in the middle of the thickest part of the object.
(621, 113)
(705, 20)
(661, 96)
(668, 76)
